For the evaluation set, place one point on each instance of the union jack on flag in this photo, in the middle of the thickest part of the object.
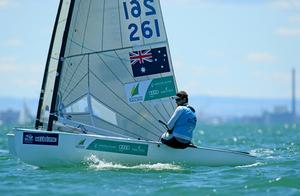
(140, 56)
(148, 62)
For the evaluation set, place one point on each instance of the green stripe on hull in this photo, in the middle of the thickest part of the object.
(119, 147)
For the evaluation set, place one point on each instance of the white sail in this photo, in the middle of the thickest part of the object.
(25, 116)
(109, 68)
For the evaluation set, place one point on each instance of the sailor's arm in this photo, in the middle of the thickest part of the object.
(174, 118)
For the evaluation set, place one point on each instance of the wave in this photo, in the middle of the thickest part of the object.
(252, 165)
(97, 164)
(2, 151)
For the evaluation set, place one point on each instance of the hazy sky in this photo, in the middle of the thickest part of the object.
(243, 48)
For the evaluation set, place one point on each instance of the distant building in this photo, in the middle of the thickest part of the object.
(280, 114)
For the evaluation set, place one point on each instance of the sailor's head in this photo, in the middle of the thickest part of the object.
(181, 98)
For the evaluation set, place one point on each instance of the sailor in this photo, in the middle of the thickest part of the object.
(181, 125)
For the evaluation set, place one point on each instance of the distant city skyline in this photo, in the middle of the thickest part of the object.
(219, 47)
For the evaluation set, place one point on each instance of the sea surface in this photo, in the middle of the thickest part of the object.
(276, 173)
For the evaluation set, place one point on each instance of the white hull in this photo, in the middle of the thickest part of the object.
(43, 148)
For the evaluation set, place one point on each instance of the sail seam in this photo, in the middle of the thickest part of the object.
(75, 100)
(71, 90)
(109, 50)
(86, 23)
(120, 25)
(72, 33)
(89, 95)
(103, 25)
(70, 80)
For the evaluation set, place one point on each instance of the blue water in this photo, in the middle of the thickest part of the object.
(276, 173)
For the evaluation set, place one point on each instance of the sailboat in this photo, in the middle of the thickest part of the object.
(108, 82)
(25, 117)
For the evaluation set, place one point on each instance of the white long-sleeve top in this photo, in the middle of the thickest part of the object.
(183, 123)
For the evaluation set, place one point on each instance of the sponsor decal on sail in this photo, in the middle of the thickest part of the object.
(135, 90)
(150, 89)
(149, 62)
(40, 138)
(134, 95)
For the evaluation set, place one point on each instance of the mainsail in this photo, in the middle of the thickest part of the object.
(109, 68)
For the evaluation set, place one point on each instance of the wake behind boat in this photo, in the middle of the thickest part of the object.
(108, 81)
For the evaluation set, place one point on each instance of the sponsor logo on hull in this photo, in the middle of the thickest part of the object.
(40, 138)
(81, 144)
(119, 147)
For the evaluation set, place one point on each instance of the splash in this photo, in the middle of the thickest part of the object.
(158, 166)
(94, 163)
(252, 165)
(262, 152)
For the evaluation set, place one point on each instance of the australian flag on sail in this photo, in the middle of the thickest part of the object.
(148, 62)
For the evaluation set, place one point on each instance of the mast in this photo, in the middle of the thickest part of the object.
(37, 120)
(59, 67)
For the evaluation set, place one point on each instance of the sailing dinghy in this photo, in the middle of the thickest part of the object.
(107, 83)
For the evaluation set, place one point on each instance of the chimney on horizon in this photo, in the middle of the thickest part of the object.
(293, 92)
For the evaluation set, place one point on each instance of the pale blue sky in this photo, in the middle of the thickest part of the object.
(219, 47)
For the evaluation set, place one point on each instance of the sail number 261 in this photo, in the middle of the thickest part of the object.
(136, 12)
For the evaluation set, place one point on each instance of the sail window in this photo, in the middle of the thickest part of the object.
(80, 106)
(103, 112)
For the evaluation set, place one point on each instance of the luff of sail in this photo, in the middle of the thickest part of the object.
(51, 69)
(113, 71)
